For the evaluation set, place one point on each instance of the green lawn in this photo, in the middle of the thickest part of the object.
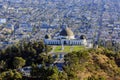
(58, 49)
(78, 48)
(68, 48)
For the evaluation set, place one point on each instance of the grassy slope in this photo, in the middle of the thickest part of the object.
(99, 65)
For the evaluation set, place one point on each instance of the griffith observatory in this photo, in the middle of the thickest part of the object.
(66, 37)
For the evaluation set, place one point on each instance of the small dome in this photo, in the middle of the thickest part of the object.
(82, 37)
(66, 32)
(47, 36)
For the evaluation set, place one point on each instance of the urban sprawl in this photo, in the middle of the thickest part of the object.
(33, 19)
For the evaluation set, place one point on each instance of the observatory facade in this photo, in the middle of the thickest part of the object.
(65, 37)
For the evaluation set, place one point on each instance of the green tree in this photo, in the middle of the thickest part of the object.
(35, 72)
(54, 73)
(18, 62)
(2, 65)
(17, 75)
(63, 76)
(45, 72)
(7, 75)
(10, 75)
(71, 59)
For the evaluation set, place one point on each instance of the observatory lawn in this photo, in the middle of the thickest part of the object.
(67, 48)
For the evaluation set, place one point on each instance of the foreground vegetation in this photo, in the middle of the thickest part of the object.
(22, 54)
(81, 64)
(93, 64)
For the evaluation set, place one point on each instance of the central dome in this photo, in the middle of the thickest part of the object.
(47, 36)
(67, 32)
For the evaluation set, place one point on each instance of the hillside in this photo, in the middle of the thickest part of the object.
(94, 64)
(85, 64)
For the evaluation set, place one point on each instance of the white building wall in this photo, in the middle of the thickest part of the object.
(52, 42)
(66, 42)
